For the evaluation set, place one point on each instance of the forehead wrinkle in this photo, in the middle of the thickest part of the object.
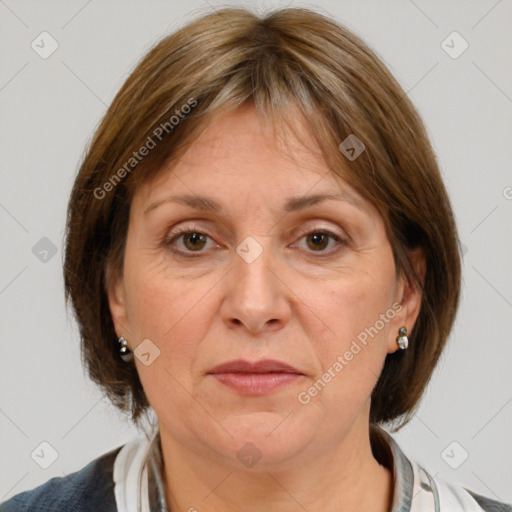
(211, 205)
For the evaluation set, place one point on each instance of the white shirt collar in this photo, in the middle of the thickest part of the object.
(414, 488)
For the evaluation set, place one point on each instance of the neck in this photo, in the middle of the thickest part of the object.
(344, 478)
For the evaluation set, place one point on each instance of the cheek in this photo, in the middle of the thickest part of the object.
(173, 313)
(355, 304)
(158, 299)
(353, 346)
(169, 312)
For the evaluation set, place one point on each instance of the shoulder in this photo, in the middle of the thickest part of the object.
(418, 491)
(455, 497)
(91, 488)
(488, 504)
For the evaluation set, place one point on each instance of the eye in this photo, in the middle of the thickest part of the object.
(192, 240)
(319, 240)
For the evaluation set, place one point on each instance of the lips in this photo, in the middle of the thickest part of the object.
(263, 366)
(259, 378)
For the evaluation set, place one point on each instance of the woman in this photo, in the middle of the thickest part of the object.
(253, 256)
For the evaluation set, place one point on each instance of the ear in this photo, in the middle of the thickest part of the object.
(409, 296)
(116, 294)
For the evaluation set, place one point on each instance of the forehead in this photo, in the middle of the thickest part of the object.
(240, 156)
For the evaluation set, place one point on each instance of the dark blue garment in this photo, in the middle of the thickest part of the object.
(490, 505)
(89, 490)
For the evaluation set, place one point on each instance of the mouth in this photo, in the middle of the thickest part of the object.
(258, 378)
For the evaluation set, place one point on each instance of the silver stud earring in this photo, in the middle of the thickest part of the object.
(124, 352)
(402, 339)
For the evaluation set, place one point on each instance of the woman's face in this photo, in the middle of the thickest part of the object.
(267, 275)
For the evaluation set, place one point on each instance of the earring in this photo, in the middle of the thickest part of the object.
(125, 353)
(402, 339)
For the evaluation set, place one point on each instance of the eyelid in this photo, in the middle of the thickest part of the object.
(340, 239)
(173, 233)
(301, 231)
(312, 227)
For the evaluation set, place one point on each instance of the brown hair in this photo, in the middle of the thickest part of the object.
(289, 59)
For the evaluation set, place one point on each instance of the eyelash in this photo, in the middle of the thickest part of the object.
(172, 236)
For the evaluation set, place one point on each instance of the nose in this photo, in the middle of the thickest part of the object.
(257, 298)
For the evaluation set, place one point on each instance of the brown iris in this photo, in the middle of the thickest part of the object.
(194, 239)
(320, 240)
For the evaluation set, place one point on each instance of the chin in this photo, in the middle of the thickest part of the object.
(261, 440)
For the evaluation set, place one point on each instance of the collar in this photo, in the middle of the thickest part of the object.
(414, 490)
(138, 471)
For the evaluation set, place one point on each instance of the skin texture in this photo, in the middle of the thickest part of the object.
(301, 301)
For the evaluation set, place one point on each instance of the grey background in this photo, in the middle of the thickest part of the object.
(49, 110)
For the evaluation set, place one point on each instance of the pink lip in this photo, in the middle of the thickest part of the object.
(263, 366)
(257, 378)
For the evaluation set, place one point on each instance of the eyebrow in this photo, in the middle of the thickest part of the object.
(293, 204)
